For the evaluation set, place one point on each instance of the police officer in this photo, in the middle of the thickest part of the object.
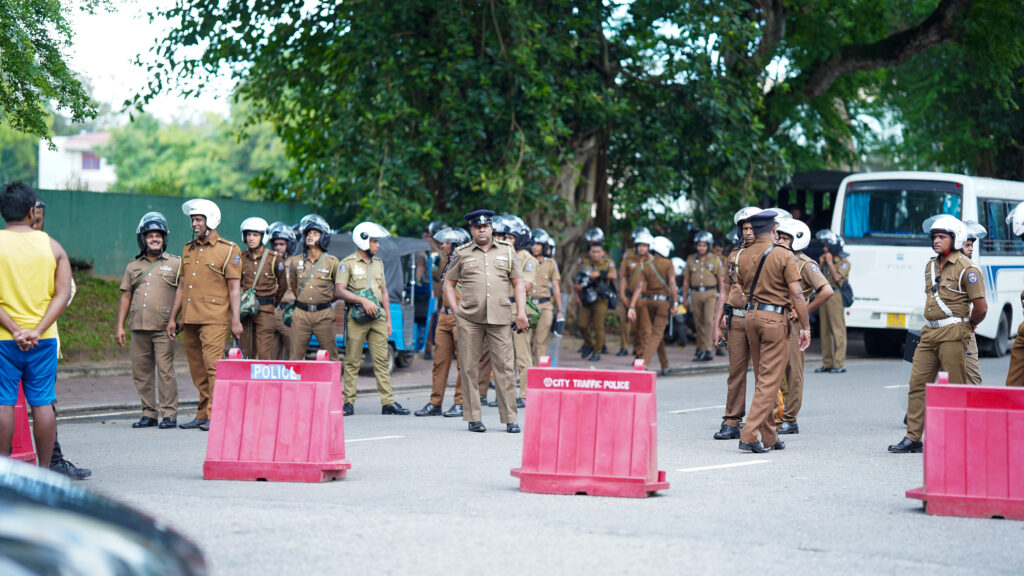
(147, 291)
(628, 268)
(771, 284)
(281, 239)
(519, 236)
(486, 268)
(433, 228)
(700, 283)
(593, 293)
(208, 296)
(546, 293)
(314, 281)
(657, 286)
(1015, 375)
(835, 265)
(795, 235)
(730, 326)
(954, 306)
(975, 232)
(263, 272)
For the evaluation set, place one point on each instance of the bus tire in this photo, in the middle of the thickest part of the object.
(403, 359)
(998, 347)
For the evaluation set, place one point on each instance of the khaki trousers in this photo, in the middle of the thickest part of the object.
(793, 380)
(204, 345)
(1015, 376)
(657, 319)
(445, 341)
(499, 341)
(259, 342)
(625, 326)
(739, 359)
(524, 358)
(591, 323)
(833, 333)
(153, 358)
(319, 323)
(541, 335)
(940, 348)
(376, 333)
(768, 335)
(283, 334)
(703, 308)
(971, 366)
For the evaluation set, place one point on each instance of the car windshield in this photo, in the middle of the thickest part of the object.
(894, 210)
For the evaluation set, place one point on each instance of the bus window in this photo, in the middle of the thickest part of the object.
(999, 239)
(894, 210)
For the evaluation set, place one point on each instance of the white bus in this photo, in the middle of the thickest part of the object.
(879, 215)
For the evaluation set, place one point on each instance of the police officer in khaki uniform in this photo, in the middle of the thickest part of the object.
(658, 287)
(771, 284)
(954, 306)
(795, 235)
(546, 293)
(628, 268)
(262, 270)
(835, 265)
(208, 296)
(147, 291)
(975, 232)
(730, 325)
(700, 285)
(486, 268)
(593, 291)
(1015, 375)
(281, 239)
(361, 283)
(518, 235)
(314, 280)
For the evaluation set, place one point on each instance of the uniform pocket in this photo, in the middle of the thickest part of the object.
(503, 264)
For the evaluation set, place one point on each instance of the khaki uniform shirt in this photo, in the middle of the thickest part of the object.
(811, 278)
(547, 275)
(630, 268)
(486, 277)
(605, 264)
(703, 272)
(654, 286)
(529, 266)
(206, 266)
(735, 298)
(842, 265)
(356, 274)
(273, 281)
(288, 296)
(315, 282)
(435, 274)
(152, 296)
(959, 282)
(779, 271)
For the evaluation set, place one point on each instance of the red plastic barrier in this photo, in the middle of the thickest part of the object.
(591, 431)
(276, 420)
(21, 445)
(973, 454)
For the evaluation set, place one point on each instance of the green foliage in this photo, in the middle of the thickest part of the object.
(34, 34)
(19, 155)
(88, 323)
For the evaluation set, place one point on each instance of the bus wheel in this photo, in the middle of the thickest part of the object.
(404, 359)
(998, 347)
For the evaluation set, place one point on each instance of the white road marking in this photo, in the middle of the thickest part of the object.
(374, 438)
(897, 386)
(100, 415)
(720, 466)
(696, 409)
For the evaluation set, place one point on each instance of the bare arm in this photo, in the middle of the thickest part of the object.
(979, 311)
(823, 295)
(631, 313)
(235, 301)
(385, 301)
(519, 285)
(686, 287)
(172, 323)
(450, 295)
(800, 307)
(122, 314)
(556, 293)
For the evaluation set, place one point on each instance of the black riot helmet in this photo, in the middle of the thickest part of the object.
(522, 233)
(315, 222)
(282, 231)
(150, 222)
(541, 236)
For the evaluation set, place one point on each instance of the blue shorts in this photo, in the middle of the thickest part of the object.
(36, 370)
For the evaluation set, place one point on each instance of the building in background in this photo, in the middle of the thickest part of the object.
(76, 164)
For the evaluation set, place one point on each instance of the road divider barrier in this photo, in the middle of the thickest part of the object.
(973, 453)
(593, 432)
(276, 420)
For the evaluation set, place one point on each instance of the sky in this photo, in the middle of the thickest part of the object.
(104, 46)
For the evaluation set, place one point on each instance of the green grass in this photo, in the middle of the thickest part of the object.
(87, 326)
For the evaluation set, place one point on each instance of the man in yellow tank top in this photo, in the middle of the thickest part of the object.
(35, 291)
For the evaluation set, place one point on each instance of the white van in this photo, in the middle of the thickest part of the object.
(880, 214)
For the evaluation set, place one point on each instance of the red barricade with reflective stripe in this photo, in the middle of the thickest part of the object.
(591, 431)
(21, 444)
(276, 420)
(973, 452)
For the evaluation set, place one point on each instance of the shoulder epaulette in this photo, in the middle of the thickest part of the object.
(466, 246)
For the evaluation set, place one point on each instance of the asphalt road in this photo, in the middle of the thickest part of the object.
(426, 496)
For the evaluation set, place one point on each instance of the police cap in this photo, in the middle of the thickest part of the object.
(479, 217)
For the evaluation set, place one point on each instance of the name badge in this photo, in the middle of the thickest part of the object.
(357, 269)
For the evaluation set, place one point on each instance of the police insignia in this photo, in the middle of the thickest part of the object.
(341, 268)
(972, 277)
(814, 267)
(529, 266)
(280, 266)
(844, 266)
(237, 259)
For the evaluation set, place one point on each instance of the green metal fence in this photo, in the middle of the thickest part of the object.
(100, 227)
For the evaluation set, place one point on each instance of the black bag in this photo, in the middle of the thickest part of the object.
(913, 339)
(847, 292)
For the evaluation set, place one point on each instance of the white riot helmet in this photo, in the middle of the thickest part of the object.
(950, 225)
(203, 207)
(1015, 220)
(797, 230)
(679, 264)
(255, 224)
(643, 237)
(662, 246)
(745, 213)
(781, 214)
(975, 231)
(704, 236)
(366, 231)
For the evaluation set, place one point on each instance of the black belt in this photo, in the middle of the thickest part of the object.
(703, 288)
(541, 300)
(265, 301)
(284, 305)
(766, 307)
(313, 307)
(656, 297)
